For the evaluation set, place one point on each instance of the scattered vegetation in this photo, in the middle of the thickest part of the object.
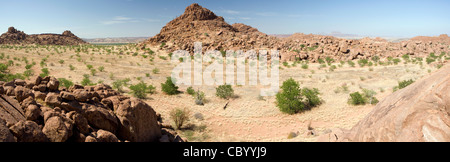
(65, 82)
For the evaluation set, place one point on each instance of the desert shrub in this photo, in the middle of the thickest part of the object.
(357, 99)
(155, 71)
(405, 57)
(403, 84)
(28, 66)
(163, 57)
(311, 97)
(363, 62)
(286, 64)
(396, 61)
(369, 95)
(430, 60)
(28, 73)
(329, 60)
(89, 67)
(72, 68)
(141, 90)
(305, 66)
(86, 81)
(118, 84)
(61, 61)
(179, 117)
(101, 68)
(190, 91)
(169, 87)
(65, 82)
(289, 100)
(375, 58)
(333, 67)
(224, 91)
(351, 63)
(321, 61)
(45, 72)
(199, 98)
(93, 72)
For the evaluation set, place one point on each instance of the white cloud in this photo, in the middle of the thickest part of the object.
(123, 19)
(232, 12)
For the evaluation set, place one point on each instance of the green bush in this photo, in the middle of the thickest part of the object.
(118, 84)
(351, 63)
(312, 97)
(169, 87)
(44, 73)
(72, 68)
(363, 62)
(199, 98)
(224, 91)
(190, 91)
(101, 68)
(304, 66)
(369, 95)
(155, 71)
(86, 81)
(89, 67)
(403, 84)
(357, 99)
(289, 100)
(65, 82)
(179, 117)
(141, 90)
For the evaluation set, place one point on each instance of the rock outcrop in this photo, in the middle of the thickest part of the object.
(14, 36)
(41, 111)
(417, 113)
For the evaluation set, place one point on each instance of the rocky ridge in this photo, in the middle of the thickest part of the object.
(41, 111)
(14, 36)
(198, 24)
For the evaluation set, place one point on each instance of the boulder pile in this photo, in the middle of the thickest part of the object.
(41, 111)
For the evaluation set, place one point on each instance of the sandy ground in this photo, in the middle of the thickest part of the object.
(247, 117)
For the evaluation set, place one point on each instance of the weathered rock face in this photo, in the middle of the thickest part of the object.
(14, 36)
(138, 121)
(77, 114)
(417, 113)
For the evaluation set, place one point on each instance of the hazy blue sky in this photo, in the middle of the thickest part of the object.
(133, 18)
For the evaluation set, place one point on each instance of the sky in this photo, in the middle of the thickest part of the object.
(145, 18)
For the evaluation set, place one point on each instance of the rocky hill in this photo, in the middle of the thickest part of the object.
(41, 111)
(14, 36)
(417, 113)
(198, 24)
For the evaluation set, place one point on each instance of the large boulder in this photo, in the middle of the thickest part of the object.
(138, 121)
(28, 131)
(55, 129)
(10, 110)
(5, 134)
(417, 113)
(100, 118)
(105, 136)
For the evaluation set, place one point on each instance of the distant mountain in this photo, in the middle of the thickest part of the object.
(116, 40)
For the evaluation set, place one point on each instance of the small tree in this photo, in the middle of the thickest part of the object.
(120, 83)
(169, 87)
(289, 100)
(179, 117)
(369, 94)
(224, 91)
